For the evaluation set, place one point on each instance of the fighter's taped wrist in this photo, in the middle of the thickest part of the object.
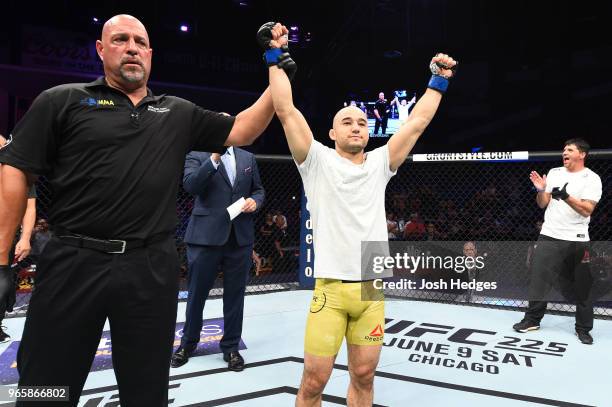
(438, 83)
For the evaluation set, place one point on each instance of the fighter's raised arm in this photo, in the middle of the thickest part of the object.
(401, 143)
(281, 67)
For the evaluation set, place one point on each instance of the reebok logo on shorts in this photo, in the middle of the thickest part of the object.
(377, 331)
(376, 335)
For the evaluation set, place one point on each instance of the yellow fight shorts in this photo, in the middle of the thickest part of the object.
(340, 309)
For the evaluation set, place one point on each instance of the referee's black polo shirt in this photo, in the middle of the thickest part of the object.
(114, 168)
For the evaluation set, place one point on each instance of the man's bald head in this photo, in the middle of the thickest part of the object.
(118, 20)
(125, 52)
(348, 111)
(350, 130)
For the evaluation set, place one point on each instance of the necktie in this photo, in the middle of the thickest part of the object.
(230, 166)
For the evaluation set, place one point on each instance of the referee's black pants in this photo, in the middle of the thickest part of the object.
(76, 290)
(561, 261)
(382, 122)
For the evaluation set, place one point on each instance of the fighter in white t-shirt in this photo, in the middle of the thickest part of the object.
(345, 187)
(403, 108)
(569, 194)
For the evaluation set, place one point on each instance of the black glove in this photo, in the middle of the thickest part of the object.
(436, 71)
(561, 194)
(264, 35)
(272, 56)
(287, 64)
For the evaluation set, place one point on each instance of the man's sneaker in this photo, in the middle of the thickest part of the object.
(584, 337)
(4, 337)
(526, 326)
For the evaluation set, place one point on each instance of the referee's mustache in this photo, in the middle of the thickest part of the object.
(131, 61)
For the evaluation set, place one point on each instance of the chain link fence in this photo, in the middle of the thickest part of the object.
(277, 229)
(446, 208)
(480, 202)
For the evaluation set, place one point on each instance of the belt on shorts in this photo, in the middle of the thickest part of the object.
(111, 246)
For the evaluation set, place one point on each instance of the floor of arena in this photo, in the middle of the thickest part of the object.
(435, 355)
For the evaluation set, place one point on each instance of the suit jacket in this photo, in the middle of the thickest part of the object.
(210, 224)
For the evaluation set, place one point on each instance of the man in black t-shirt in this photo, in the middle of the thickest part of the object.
(381, 113)
(112, 152)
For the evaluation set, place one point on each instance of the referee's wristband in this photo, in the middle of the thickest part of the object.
(438, 83)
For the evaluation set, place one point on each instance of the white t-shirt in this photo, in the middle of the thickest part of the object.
(560, 220)
(347, 206)
(403, 111)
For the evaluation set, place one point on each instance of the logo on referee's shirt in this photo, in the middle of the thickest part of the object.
(158, 109)
(93, 102)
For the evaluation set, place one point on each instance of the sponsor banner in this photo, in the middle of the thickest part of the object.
(64, 50)
(58, 49)
(477, 156)
(211, 334)
(306, 247)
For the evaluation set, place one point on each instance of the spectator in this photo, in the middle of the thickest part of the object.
(431, 232)
(472, 273)
(282, 258)
(256, 261)
(265, 241)
(283, 223)
(415, 228)
(392, 226)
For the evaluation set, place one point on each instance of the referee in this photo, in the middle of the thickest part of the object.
(112, 152)
(569, 194)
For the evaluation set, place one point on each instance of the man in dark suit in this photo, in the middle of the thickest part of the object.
(216, 243)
